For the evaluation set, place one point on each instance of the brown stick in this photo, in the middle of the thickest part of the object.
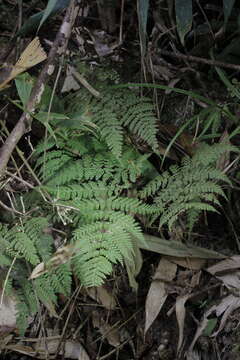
(24, 123)
(201, 60)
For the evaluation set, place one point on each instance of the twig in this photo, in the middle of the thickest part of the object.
(121, 23)
(201, 60)
(84, 82)
(7, 208)
(6, 280)
(24, 123)
(116, 349)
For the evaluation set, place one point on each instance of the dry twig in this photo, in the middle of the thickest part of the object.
(24, 123)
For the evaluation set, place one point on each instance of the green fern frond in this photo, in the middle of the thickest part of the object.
(44, 246)
(118, 110)
(23, 314)
(21, 245)
(55, 160)
(44, 146)
(106, 241)
(29, 296)
(61, 279)
(44, 290)
(169, 217)
(92, 271)
(105, 117)
(126, 205)
(88, 190)
(4, 259)
(27, 240)
(192, 186)
(208, 154)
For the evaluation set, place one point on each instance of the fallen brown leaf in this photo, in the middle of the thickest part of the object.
(103, 296)
(157, 294)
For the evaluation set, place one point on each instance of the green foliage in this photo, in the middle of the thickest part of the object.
(116, 112)
(89, 191)
(96, 187)
(29, 244)
(24, 240)
(192, 187)
(184, 17)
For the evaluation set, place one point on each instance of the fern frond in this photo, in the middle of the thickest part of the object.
(61, 279)
(123, 109)
(51, 163)
(44, 290)
(4, 259)
(208, 155)
(23, 314)
(88, 190)
(109, 241)
(192, 186)
(92, 271)
(21, 245)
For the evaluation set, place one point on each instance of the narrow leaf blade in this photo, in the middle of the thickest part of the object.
(183, 9)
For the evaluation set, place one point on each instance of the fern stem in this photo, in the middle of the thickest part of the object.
(6, 280)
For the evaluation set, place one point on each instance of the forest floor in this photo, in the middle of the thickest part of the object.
(178, 307)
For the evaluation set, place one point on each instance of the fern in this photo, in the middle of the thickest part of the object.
(27, 240)
(5, 260)
(28, 244)
(102, 165)
(190, 188)
(61, 279)
(101, 244)
(89, 192)
(104, 227)
(94, 182)
(118, 111)
(22, 315)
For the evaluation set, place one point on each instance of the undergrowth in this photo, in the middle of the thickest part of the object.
(97, 190)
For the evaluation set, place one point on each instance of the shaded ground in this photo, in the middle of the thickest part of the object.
(110, 322)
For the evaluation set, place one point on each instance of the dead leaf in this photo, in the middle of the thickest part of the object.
(110, 333)
(157, 294)
(42, 348)
(227, 264)
(37, 271)
(193, 355)
(227, 272)
(201, 327)
(5, 339)
(72, 350)
(229, 304)
(189, 263)
(70, 83)
(195, 280)
(225, 308)
(61, 256)
(8, 314)
(104, 43)
(103, 296)
(26, 350)
(31, 56)
(180, 314)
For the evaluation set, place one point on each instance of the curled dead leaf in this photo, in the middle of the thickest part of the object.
(157, 294)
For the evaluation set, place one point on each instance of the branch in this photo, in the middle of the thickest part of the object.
(201, 60)
(24, 123)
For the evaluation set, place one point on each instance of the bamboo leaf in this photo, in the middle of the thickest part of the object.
(227, 9)
(143, 6)
(183, 9)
